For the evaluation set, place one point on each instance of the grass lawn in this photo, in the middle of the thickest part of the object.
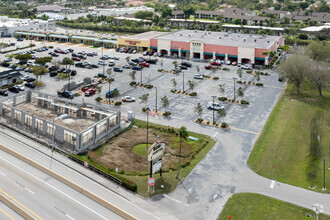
(286, 139)
(168, 181)
(255, 206)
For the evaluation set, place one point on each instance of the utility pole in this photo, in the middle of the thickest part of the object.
(183, 82)
(324, 174)
(234, 90)
(156, 98)
(213, 107)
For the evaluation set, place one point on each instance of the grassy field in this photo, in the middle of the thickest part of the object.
(255, 206)
(168, 181)
(285, 141)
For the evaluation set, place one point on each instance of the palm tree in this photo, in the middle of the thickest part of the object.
(183, 135)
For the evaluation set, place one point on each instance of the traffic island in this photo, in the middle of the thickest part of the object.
(126, 156)
(204, 122)
(183, 93)
(160, 113)
(148, 86)
(250, 83)
(168, 71)
(241, 102)
(99, 99)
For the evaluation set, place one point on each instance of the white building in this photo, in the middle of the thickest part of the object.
(8, 26)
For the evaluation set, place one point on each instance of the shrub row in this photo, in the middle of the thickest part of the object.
(167, 113)
(118, 103)
(244, 102)
(222, 99)
(249, 71)
(148, 86)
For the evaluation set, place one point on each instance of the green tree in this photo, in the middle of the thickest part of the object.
(319, 50)
(165, 102)
(191, 85)
(198, 69)
(67, 62)
(23, 57)
(199, 110)
(189, 10)
(174, 83)
(98, 90)
(294, 68)
(38, 71)
(183, 134)
(257, 76)
(240, 92)
(319, 75)
(175, 63)
(222, 114)
(109, 72)
(115, 94)
(44, 60)
(128, 58)
(161, 63)
(214, 70)
(132, 75)
(144, 99)
(239, 73)
(222, 89)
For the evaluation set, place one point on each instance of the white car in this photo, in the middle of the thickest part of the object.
(214, 106)
(24, 77)
(94, 53)
(145, 53)
(21, 87)
(246, 66)
(134, 51)
(115, 58)
(128, 99)
(103, 63)
(228, 62)
(198, 76)
(7, 59)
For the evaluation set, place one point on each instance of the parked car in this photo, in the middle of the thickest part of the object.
(3, 93)
(117, 69)
(126, 66)
(228, 62)
(132, 63)
(4, 64)
(115, 58)
(104, 57)
(198, 76)
(128, 99)
(234, 63)
(70, 50)
(23, 77)
(186, 64)
(208, 67)
(102, 75)
(151, 61)
(19, 68)
(30, 79)
(65, 93)
(12, 66)
(216, 63)
(85, 88)
(183, 67)
(136, 68)
(109, 94)
(112, 63)
(144, 64)
(53, 54)
(246, 66)
(30, 85)
(14, 89)
(103, 63)
(53, 73)
(94, 66)
(90, 91)
(75, 58)
(90, 54)
(61, 70)
(214, 106)
(21, 87)
(7, 59)
(145, 53)
(94, 53)
(80, 65)
(176, 69)
(19, 39)
(73, 72)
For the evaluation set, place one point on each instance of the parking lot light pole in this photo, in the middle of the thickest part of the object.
(234, 90)
(213, 107)
(183, 81)
(156, 98)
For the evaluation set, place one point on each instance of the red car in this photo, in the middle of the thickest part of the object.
(85, 88)
(57, 50)
(215, 63)
(208, 67)
(90, 91)
(75, 58)
(145, 64)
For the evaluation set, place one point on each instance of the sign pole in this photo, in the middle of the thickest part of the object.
(147, 141)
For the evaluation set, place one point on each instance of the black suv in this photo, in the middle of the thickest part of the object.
(186, 64)
(14, 89)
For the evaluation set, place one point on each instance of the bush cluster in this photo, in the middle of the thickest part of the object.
(144, 109)
(259, 84)
(239, 81)
(199, 120)
(244, 102)
(148, 86)
(118, 103)
(249, 71)
(224, 125)
(222, 99)
(193, 94)
(216, 78)
(167, 113)
(132, 83)
(98, 99)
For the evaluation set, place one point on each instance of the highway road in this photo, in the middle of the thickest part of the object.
(45, 197)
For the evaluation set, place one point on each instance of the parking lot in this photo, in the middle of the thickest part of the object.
(181, 106)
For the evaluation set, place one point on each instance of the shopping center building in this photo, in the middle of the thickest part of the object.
(242, 48)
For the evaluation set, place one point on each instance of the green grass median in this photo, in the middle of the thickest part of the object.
(295, 140)
(255, 206)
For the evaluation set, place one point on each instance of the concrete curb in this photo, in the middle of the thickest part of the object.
(73, 185)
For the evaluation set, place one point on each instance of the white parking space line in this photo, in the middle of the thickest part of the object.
(177, 201)
(215, 134)
(69, 217)
(29, 191)
(2, 173)
(176, 117)
(272, 184)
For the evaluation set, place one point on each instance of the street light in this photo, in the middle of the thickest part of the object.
(156, 98)
(213, 107)
(183, 81)
(317, 208)
(234, 89)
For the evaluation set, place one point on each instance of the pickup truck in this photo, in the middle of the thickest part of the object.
(65, 93)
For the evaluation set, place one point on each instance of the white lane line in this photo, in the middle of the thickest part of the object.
(29, 190)
(54, 188)
(272, 184)
(69, 217)
(176, 117)
(175, 200)
(2, 173)
(79, 174)
(215, 134)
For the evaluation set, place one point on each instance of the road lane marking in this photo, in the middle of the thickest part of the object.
(69, 217)
(55, 189)
(29, 190)
(215, 134)
(175, 200)
(238, 129)
(2, 173)
(7, 214)
(20, 203)
(272, 184)
(176, 117)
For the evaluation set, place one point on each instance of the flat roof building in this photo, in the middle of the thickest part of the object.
(244, 48)
(8, 26)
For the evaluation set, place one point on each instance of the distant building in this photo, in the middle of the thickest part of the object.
(134, 3)
(8, 26)
(51, 8)
(8, 76)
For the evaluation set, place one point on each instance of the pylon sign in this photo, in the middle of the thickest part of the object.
(156, 150)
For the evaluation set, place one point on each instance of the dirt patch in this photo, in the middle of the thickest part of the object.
(118, 152)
